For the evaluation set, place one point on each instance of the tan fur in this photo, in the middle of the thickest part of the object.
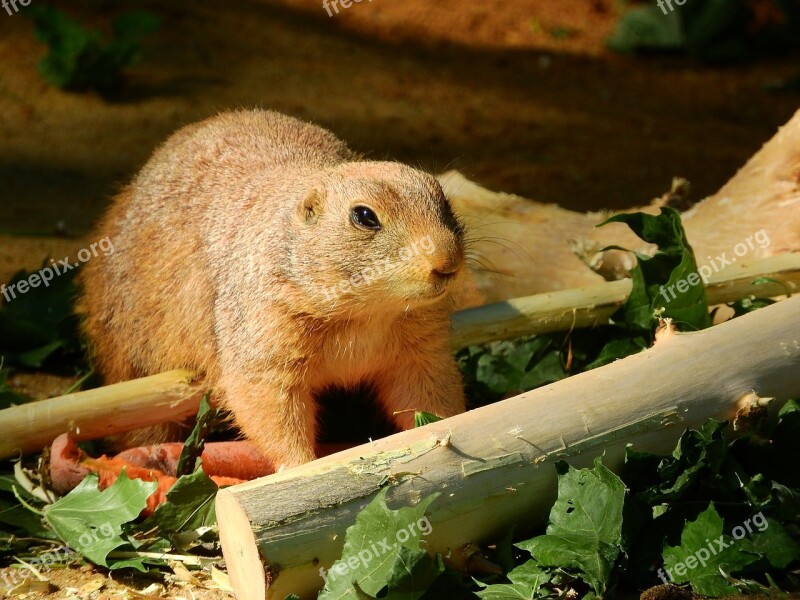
(224, 245)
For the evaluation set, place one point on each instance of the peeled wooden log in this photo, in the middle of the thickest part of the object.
(521, 247)
(593, 305)
(493, 465)
(172, 396)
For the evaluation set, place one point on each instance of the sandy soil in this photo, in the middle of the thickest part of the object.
(522, 98)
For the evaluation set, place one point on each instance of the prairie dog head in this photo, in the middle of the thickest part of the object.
(376, 236)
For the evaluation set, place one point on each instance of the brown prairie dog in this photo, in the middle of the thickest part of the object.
(260, 251)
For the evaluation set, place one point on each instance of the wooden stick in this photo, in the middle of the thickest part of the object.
(593, 305)
(172, 396)
(493, 465)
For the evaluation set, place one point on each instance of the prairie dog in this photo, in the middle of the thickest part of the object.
(260, 251)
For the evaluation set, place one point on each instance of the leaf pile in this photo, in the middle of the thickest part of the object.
(105, 528)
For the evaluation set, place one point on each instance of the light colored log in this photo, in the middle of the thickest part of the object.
(593, 305)
(494, 465)
(526, 247)
(172, 396)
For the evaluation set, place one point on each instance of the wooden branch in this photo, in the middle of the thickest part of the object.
(493, 465)
(172, 396)
(593, 305)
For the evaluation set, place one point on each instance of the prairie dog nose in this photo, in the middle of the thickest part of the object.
(447, 262)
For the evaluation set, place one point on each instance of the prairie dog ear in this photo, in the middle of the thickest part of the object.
(311, 206)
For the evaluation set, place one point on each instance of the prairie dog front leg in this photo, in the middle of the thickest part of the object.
(433, 387)
(281, 421)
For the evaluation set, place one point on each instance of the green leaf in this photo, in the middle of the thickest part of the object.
(585, 530)
(547, 370)
(207, 418)
(16, 518)
(422, 418)
(699, 453)
(78, 58)
(526, 581)
(647, 28)
(666, 283)
(618, 348)
(188, 507)
(772, 542)
(382, 555)
(39, 323)
(90, 521)
(703, 551)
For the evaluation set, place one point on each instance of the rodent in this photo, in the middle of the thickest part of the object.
(248, 249)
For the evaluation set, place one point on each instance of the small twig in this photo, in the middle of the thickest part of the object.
(192, 561)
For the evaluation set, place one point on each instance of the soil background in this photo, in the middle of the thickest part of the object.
(520, 96)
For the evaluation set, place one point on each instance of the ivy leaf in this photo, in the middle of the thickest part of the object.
(585, 530)
(90, 521)
(773, 543)
(683, 296)
(188, 507)
(526, 581)
(193, 446)
(655, 480)
(422, 418)
(382, 555)
(703, 551)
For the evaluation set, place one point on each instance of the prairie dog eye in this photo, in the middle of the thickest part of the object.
(365, 218)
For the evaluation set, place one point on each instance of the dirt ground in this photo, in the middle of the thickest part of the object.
(521, 97)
